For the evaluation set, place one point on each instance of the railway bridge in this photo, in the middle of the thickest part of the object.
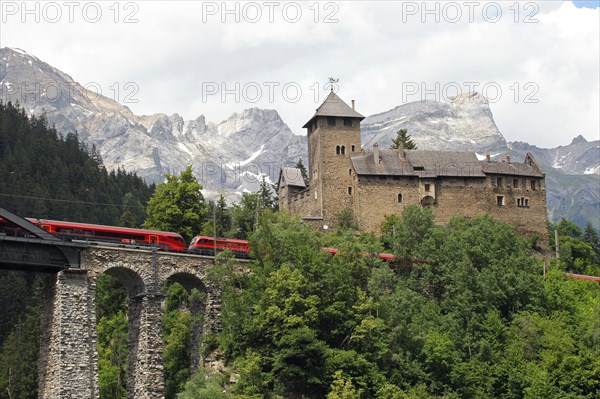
(68, 360)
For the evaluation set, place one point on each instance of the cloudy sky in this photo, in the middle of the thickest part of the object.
(537, 61)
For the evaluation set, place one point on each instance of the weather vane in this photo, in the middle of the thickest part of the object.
(332, 82)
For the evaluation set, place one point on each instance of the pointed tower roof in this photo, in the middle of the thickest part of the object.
(334, 106)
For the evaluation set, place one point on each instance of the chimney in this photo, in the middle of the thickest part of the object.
(376, 153)
(507, 158)
(353, 105)
(401, 150)
(488, 158)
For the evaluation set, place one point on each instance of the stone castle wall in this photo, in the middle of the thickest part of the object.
(469, 197)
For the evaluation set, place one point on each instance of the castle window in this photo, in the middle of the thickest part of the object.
(523, 202)
(418, 168)
(343, 150)
(337, 150)
(500, 200)
(349, 172)
(310, 129)
(350, 190)
(498, 182)
(516, 183)
(399, 198)
(348, 122)
(331, 120)
(427, 187)
(353, 148)
(533, 184)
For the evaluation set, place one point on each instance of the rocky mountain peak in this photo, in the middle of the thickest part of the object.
(579, 140)
(460, 123)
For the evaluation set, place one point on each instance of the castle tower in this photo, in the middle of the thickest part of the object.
(333, 134)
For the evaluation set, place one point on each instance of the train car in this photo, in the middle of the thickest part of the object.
(206, 245)
(118, 235)
(583, 277)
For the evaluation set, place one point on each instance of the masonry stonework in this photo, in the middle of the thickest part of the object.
(68, 362)
(378, 182)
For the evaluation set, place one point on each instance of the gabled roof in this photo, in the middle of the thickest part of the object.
(438, 163)
(417, 163)
(334, 106)
(509, 168)
(291, 177)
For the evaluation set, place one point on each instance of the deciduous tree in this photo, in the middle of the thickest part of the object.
(177, 205)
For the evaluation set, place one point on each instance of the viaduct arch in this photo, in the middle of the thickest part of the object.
(68, 362)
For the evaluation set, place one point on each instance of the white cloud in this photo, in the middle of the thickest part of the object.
(177, 49)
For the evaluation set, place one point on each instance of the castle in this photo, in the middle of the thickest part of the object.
(376, 182)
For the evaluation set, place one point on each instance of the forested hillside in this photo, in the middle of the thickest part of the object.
(44, 174)
(468, 315)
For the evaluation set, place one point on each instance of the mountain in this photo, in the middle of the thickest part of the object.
(461, 123)
(233, 155)
(581, 157)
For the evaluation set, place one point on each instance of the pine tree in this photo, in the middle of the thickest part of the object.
(300, 165)
(591, 237)
(402, 137)
(265, 196)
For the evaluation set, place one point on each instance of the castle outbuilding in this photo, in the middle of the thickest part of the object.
(376, 182)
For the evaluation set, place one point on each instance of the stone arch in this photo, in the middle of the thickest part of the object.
(131, 279)
(427, 201)
(189, 281)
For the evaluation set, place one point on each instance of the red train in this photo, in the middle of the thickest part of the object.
(111, 234)
(583, 277)
(206, 245)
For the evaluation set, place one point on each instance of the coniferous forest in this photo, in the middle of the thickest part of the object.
(472, 310)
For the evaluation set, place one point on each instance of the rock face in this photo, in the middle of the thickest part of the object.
(581, 157)
(229, 156)
(463, 123)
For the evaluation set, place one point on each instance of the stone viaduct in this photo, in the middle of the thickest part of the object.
(68, 362)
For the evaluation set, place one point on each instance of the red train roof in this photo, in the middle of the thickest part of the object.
(102, 227)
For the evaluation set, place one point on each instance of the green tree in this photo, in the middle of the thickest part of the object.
(205, 384)
(219, 217)
(112, 356)
(177, 205)
(127, 219)
(404, 139)
(244, 216)
(18, 359)
(300, 165)
(346, 220)
(177, 323)
(590, 236)
(341, 388)
(265, 195)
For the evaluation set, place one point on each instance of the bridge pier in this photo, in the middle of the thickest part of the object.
(146, 379)
(68, 362)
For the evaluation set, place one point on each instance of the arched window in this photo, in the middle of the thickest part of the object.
(343, 150)
(400, 198)
(337, 150)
